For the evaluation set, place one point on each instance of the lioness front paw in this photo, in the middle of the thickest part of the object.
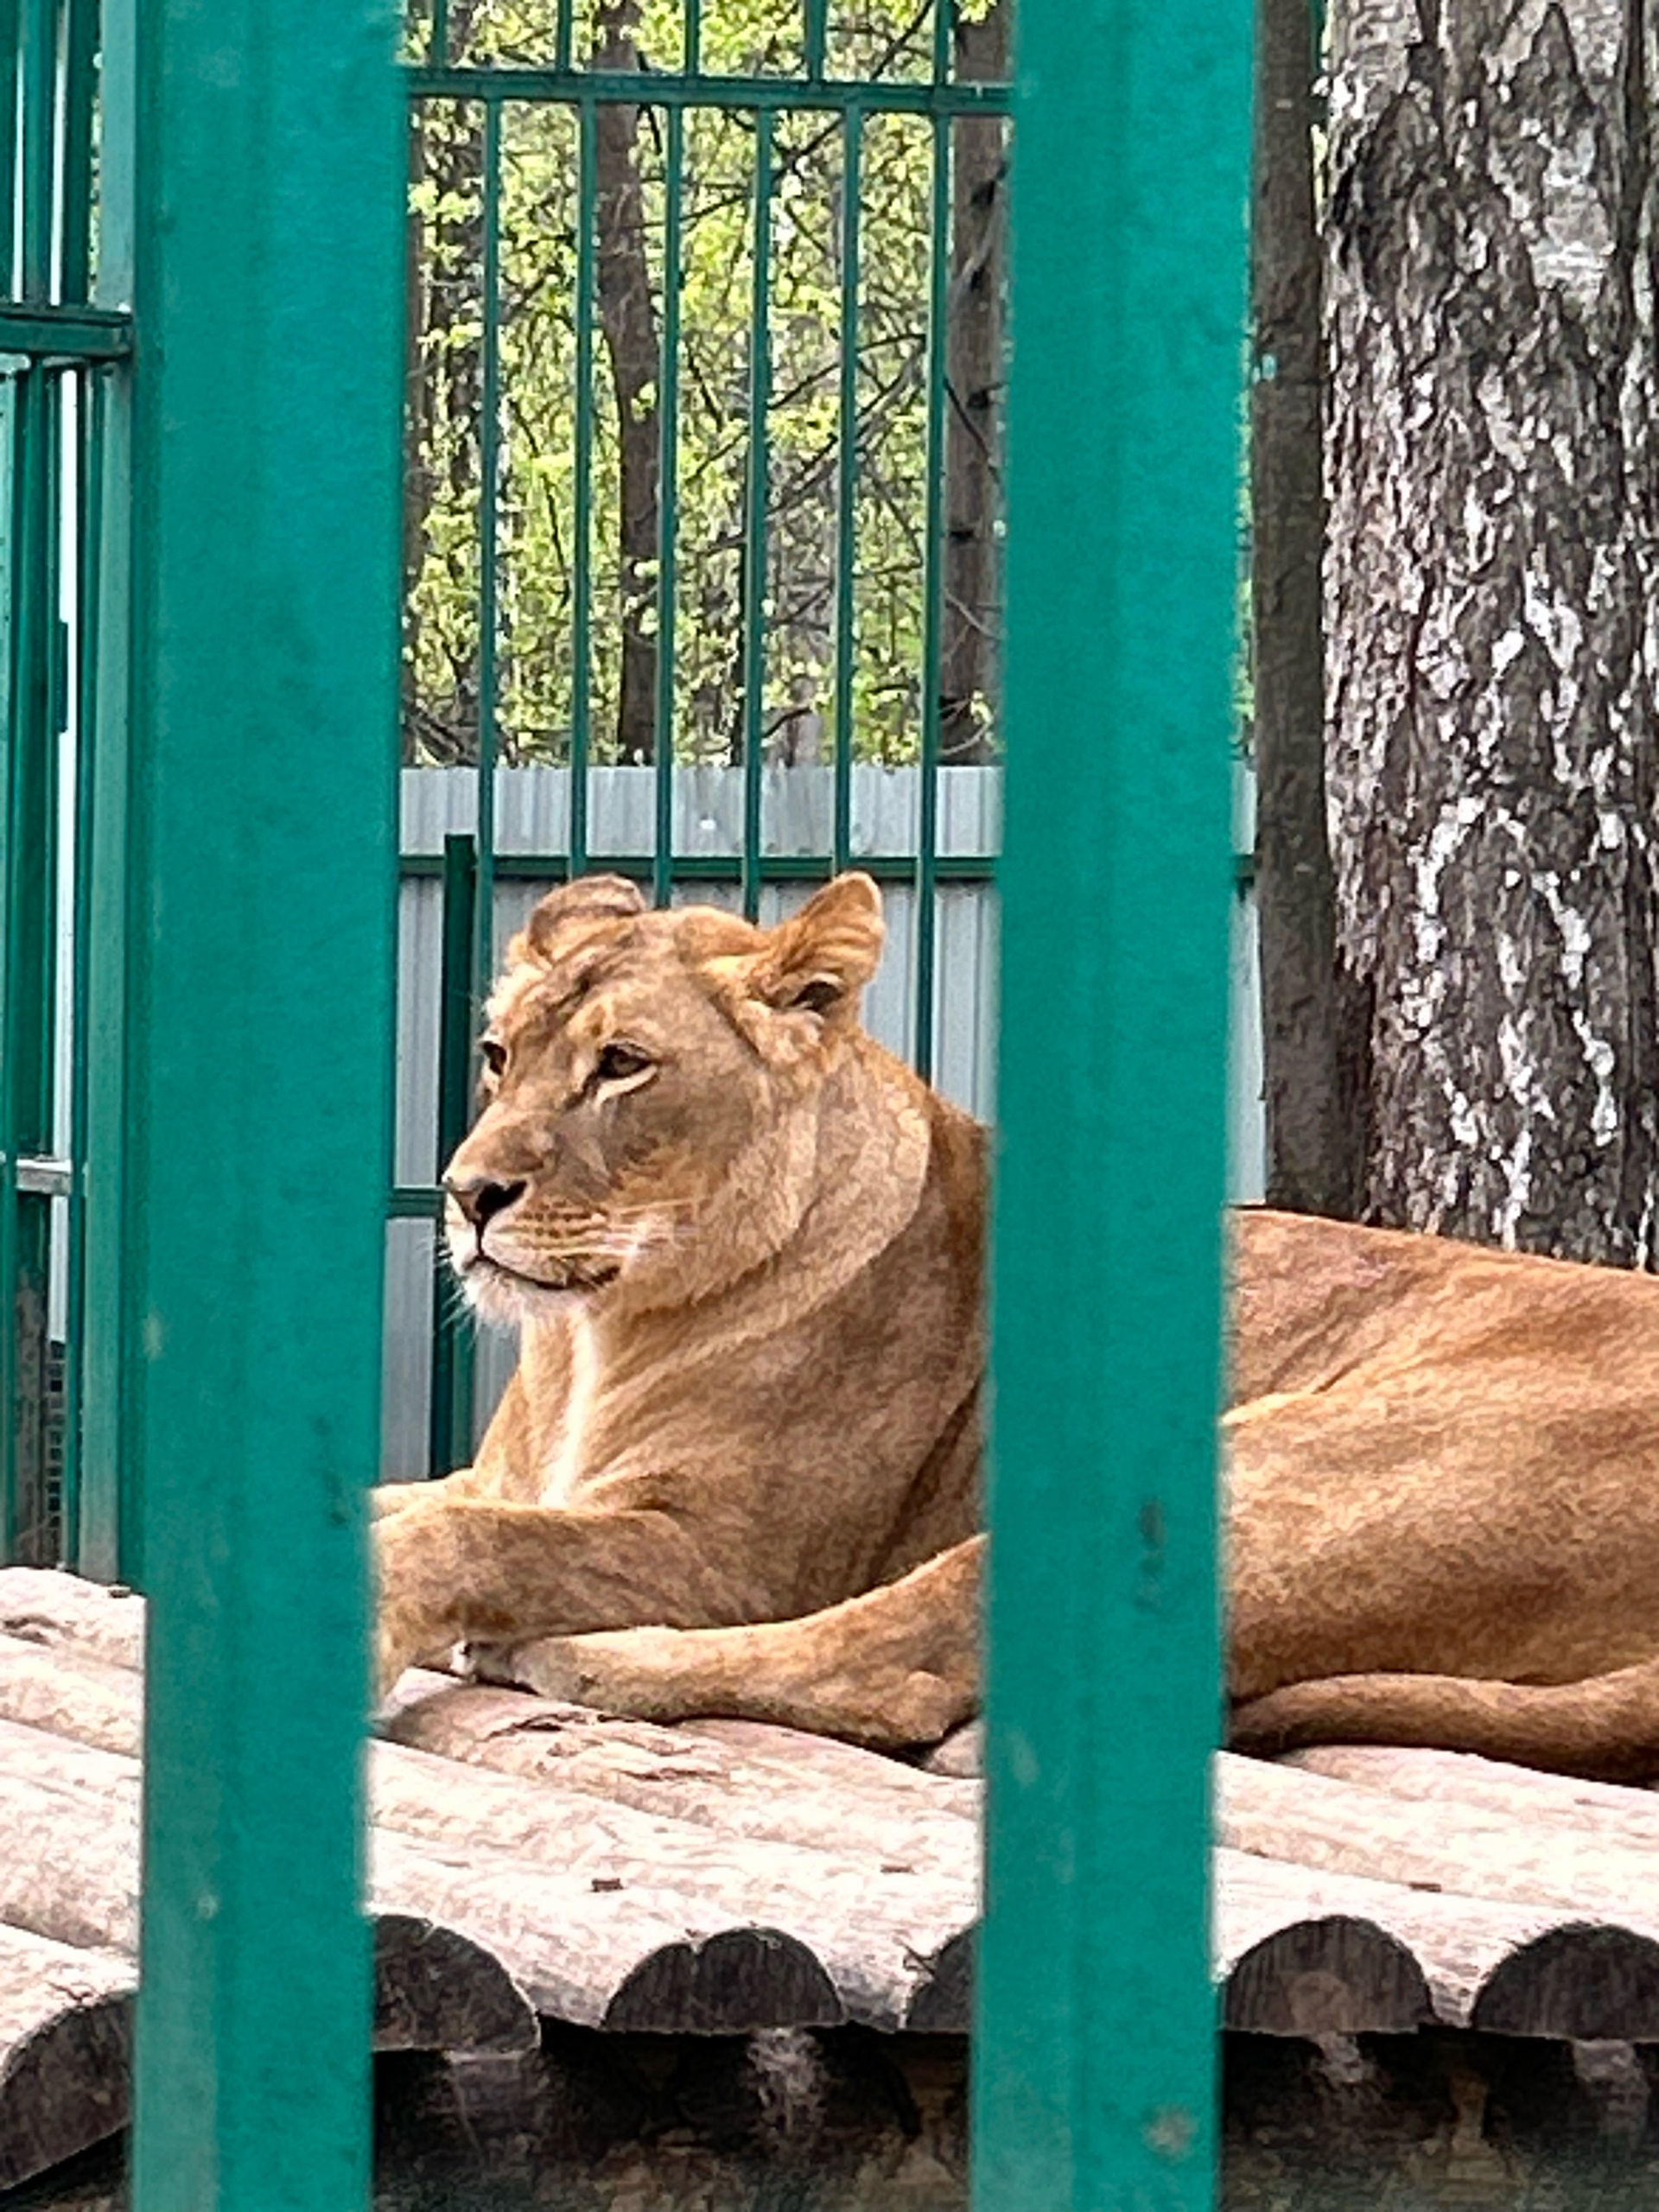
(636, 1672)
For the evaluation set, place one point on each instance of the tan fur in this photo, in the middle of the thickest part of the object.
(740, 1475)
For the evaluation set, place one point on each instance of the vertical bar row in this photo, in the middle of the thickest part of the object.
(754, 527)
(927, 832)
(270, 297)
(1094, 2073)
(847, 482)
(668, 473)
(581, 673)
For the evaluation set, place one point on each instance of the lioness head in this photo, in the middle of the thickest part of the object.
(651, 1082)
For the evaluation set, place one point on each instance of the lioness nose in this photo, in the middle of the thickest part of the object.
(479, 1198)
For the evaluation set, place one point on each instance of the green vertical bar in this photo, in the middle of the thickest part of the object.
(10, 62)
(693, 38)
(27, 916)
(10, 583)
(668, 507)
(79, 92)
(582, 680)
(438, 42)
(489, 497)
(754, 528)
(13, 588)
(927, 832)
(90, 497)
(111, 1476)
(40, 71)
(847, 482)
(450, 1417)
(817, 21)
(1094, 2064)
(562, 36)
(272, 165)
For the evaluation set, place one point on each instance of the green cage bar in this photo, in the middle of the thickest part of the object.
(79, 93)
(754, 521)
(27, 906)
(271, 236)
(927, 827)
(489, 641)
(40, 71)
(451, 1415)
(1094, 2067)
(668, 473)
(582, 609)
(816, 38)
(852, 154)
(90, 497)
(110, 1476)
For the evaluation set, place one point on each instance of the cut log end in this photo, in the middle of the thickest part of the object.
(436, 1990)
(732, 1983)
(64, 2087)
(1332, 1976)
(1591, 1983)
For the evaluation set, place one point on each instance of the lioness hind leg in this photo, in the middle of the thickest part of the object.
(1604, 1728)
(897, 1666)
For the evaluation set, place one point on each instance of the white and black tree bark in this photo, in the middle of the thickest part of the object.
(1492, 611)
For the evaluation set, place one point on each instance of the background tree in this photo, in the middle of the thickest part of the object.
(1490, 615)
(1315, 1138)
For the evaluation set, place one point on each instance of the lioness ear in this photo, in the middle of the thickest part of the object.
(821, 958)
(590, 898)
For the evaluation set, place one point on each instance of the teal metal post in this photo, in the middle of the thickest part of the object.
(1094, 2070)
(269, 319)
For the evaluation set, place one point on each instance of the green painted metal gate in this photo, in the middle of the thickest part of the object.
(580, 179)
(228, 919)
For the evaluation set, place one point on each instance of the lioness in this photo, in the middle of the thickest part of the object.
(737, 1471)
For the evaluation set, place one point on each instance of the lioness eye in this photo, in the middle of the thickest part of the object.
(493, 1053)
(617, 1062)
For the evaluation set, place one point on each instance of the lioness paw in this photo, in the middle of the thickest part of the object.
(635, 1672)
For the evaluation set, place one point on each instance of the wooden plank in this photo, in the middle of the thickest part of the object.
(876, 1925)
(1460, 1780)
(69, 1874)
(68, 1693)
(1339, 1827)
(1462, 1944)
(691, 1773)
(65, 2051)
(595, 1956)
(874, 1911)
(44, 1606)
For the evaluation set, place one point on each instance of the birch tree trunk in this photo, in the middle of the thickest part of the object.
(1492, 611)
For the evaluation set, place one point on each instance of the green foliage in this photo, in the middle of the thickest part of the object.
(541, 208)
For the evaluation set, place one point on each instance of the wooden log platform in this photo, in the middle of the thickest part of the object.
(535, 1862)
